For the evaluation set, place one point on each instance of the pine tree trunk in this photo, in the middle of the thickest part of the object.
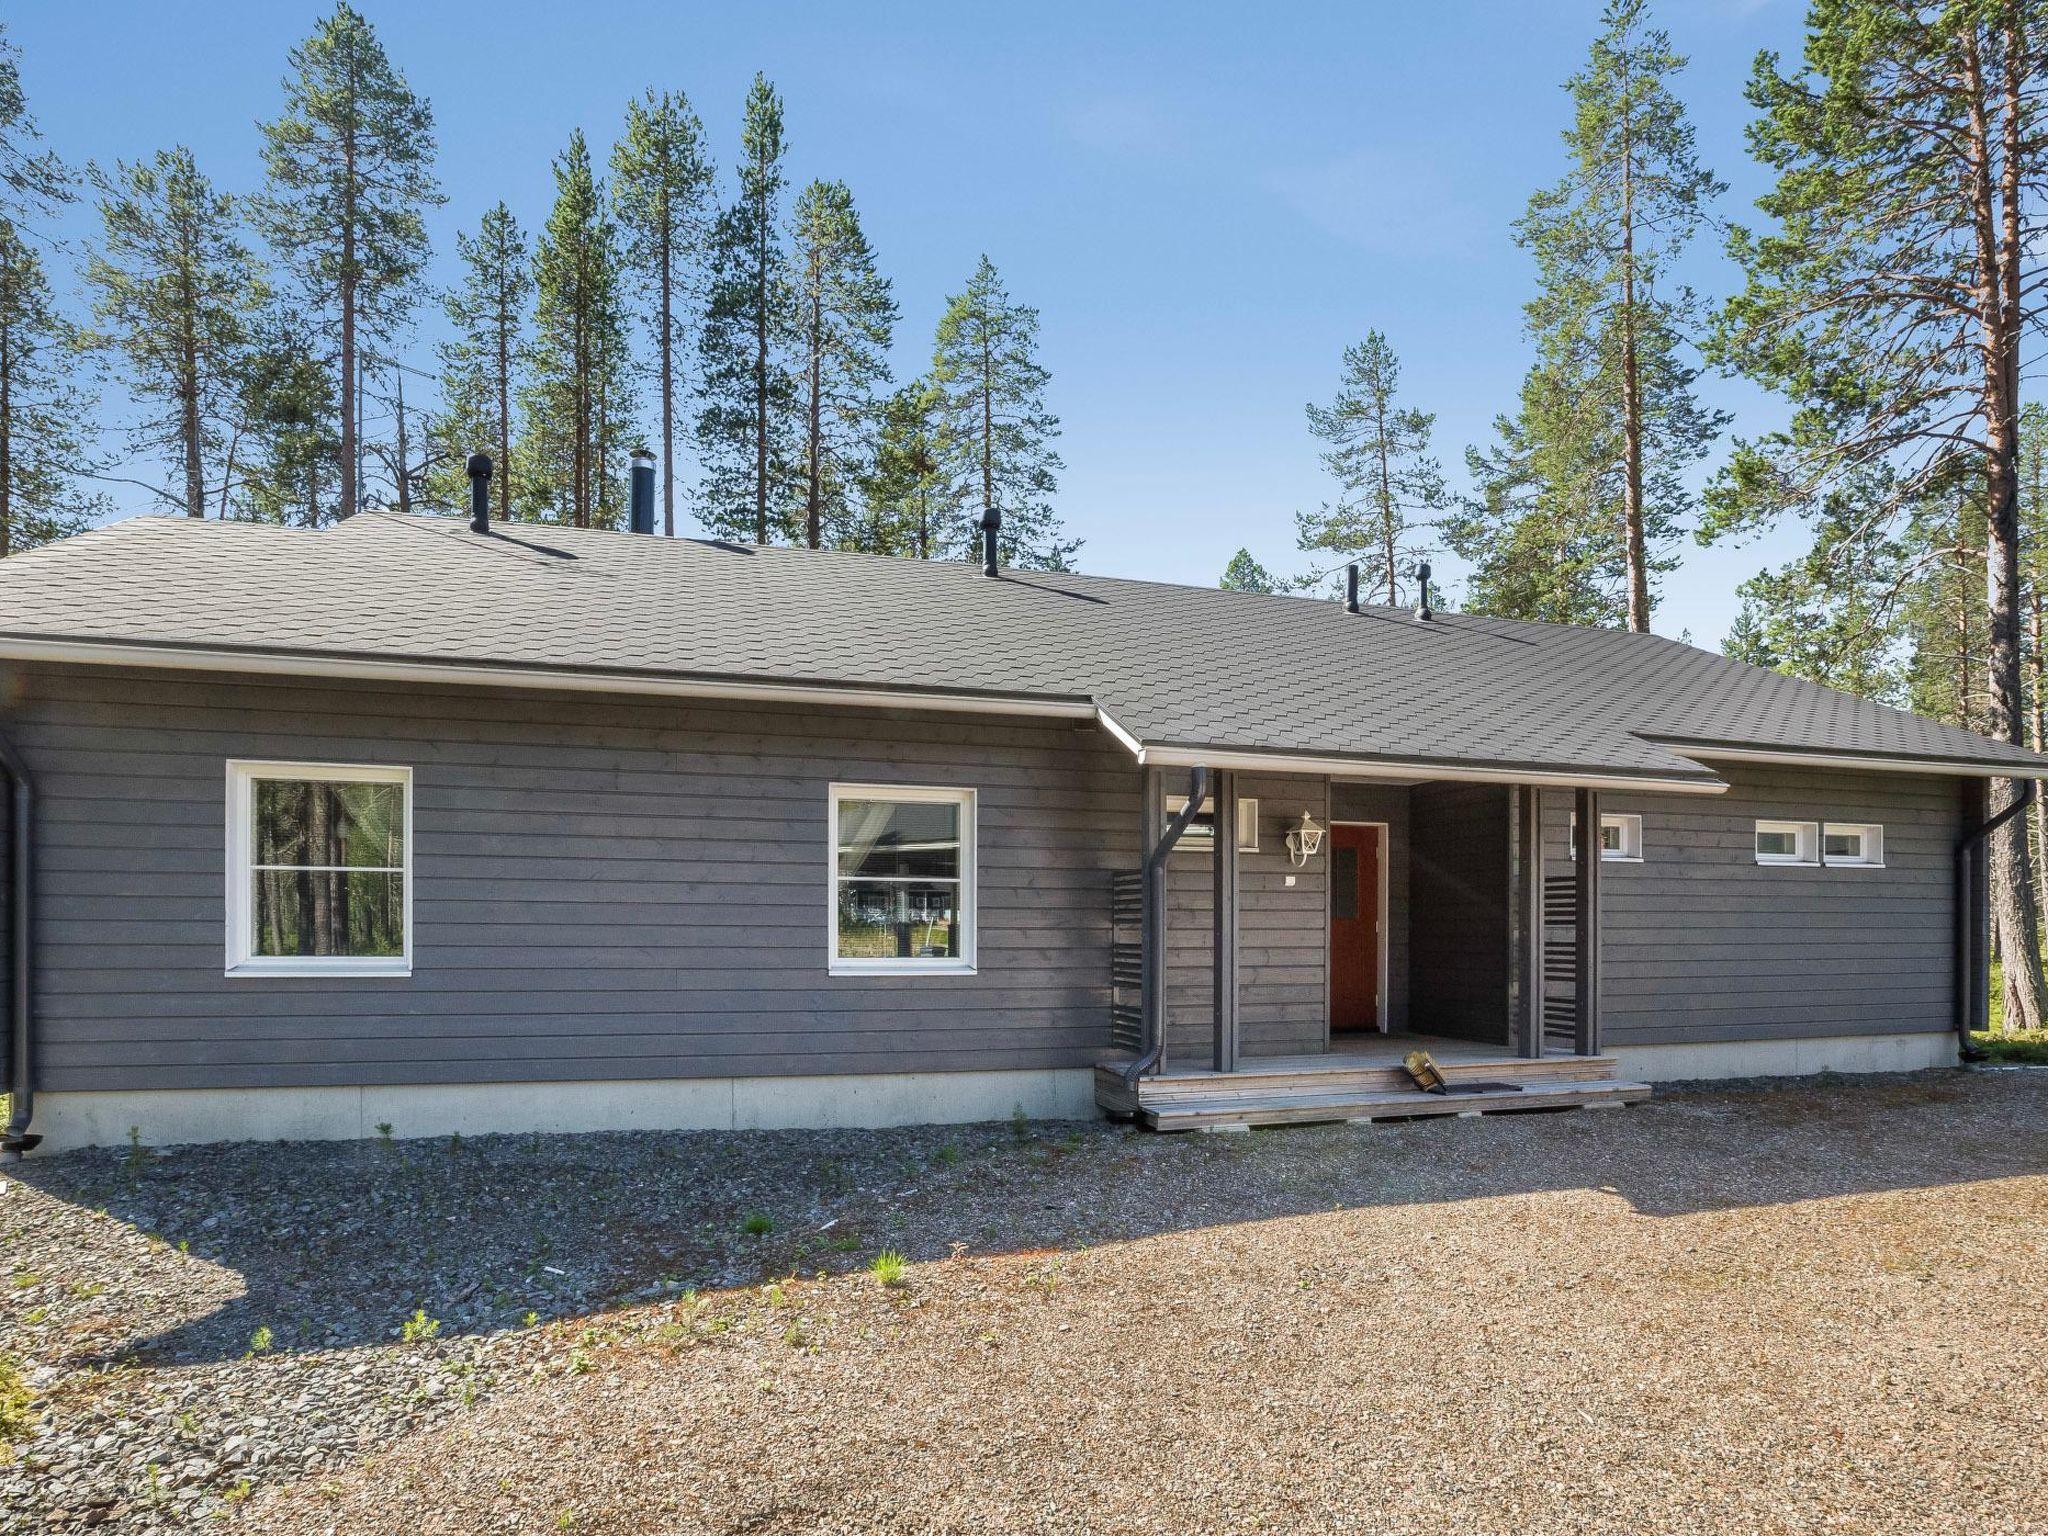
(668, 386)
(2012, 889)
(504, 392)
(188, 398)
(988, 426)
(349, 424)
(398, 394)
(1635, 552)
(6, 405)
(1389, 542)
(814, 433)
(761, 356)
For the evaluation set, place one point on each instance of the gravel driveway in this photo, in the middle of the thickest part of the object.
(1767, 1308)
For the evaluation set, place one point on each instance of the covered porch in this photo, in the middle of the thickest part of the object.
(1289, 938)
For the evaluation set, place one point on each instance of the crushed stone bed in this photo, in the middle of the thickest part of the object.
(1779, 1307)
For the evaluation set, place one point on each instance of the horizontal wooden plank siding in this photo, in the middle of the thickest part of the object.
(1701, 943)
(603, 887)
(1283, 933)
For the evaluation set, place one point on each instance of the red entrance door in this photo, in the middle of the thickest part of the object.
(1354, 928)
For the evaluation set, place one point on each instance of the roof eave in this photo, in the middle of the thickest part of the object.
(560, 679)
(1947, 767)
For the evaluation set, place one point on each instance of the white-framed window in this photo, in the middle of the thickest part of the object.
(1201, 832)
(902, 898)
(1853, 844)
(1787, 842)
(1621, 837)
(319, 869)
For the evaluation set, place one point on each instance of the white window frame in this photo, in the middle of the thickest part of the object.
(1871, 832)
(965, 964)
(1202, 834)
(1807, 840)
(1631, 825)
(1248, 824)
(242, 959)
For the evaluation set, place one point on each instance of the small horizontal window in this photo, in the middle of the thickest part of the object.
(1852, 844)
(1621, 837)
(902, 880)
(1787, 842)
(318, 869)
(1201, 831)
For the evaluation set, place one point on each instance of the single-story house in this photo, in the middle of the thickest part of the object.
(445, 826)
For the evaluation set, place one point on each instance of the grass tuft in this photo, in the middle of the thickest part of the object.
(888, 1267)
(2019, 1047)
(758, 1224)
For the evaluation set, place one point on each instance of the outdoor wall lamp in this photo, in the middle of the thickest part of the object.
(1303, 839)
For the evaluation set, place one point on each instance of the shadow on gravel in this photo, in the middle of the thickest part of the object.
(339, 1244)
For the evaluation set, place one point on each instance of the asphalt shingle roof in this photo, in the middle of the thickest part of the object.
(1172, 666)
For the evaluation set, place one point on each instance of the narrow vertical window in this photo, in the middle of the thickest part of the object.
(319, 878)
(902, 880)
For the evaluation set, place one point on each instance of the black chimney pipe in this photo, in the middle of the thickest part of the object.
(991, 523)
(1422, 592)
(643, 491)
(1351, 587)
(479, 493)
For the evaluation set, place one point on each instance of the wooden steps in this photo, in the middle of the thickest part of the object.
(1300, 1095)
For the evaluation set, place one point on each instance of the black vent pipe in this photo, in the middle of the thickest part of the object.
(15, 1139)
(1351, 587)
(991, 524)
(479, 493)
(1422, 592)
(1967, 937)
(642, 499)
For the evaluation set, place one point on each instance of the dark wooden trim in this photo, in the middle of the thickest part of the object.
(1529, 971)
(1152, 974)
(1586, 927)
(1224, 951)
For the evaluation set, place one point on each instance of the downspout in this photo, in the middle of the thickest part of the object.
(1967, 937)
(15, 1139)
(1154, 887)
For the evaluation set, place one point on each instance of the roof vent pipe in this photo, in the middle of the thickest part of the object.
(1351, 587)
(991, 523)
(643, 491)
(1422, 592)
(479, 493)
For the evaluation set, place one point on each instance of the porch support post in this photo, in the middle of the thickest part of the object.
(1224, 952)
(1529, 835)
(1152, 972)
(1586, 930)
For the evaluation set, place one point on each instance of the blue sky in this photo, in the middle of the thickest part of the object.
(1206, 202)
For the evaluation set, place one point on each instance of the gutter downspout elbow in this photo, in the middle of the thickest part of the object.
(16, 1138)
(1967, 937)
(1198, 795)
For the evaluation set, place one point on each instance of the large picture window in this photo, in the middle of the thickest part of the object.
(902, 879)
(319, 879)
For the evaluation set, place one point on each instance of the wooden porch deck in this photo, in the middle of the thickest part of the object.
(1362, 1080)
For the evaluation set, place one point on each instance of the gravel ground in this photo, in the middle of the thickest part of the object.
(1764, 1308)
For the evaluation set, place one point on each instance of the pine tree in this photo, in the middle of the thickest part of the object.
(909, 505)
(32, 179)
(1609, 423)
(289, 467)
(176, 293)
(1890, 304)
(578, 403)
(43, 414)
(661, 189)
(1379, 456)
(998, 431)
(1244, 574)
(480, 361)
(746, 429)
(845, 316)
(350, 173)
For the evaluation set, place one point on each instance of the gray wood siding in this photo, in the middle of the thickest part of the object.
(1283, 933)
(603, 887)
(1458, 893)
(1389, 804)
(1700, 942)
